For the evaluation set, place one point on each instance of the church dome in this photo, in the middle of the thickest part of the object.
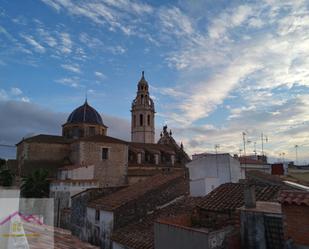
(85, 114)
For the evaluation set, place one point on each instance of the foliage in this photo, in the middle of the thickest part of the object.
(6, 178)
(36, 185)
(2, 162)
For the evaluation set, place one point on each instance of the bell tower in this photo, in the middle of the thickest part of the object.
(143, 115)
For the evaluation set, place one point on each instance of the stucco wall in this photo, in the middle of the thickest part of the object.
(100, 230)
(210, 171)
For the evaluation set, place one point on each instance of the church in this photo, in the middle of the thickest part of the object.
(86, 157)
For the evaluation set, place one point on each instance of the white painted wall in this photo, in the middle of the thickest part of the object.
(209, 171)
(86, 172)
(117, 246)
(105, 224)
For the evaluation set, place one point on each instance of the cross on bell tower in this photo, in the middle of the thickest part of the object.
(143, 115)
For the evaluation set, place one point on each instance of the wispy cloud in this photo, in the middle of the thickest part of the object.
(66, 43)
(72, 82)
(72, 68)
(36, 45)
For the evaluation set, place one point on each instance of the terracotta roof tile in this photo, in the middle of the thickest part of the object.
(153, 148)
(294, 197)
(62, 238)
(230, 196)
(140, 235)
(134, 191)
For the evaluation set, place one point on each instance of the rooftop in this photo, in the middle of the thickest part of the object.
(42, 138)
(63, 239)
(230, 196)
(294, 197)
(140, 235)
(134, 191)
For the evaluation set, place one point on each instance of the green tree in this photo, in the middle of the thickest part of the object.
(36, 185)
(6, 178)
(2, 162)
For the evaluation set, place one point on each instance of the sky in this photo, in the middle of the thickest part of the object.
(216, 69)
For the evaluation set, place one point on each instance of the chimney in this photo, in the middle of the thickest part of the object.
(249, 195)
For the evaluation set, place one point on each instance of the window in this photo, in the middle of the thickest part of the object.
(148, 120)
(104, 153)
(141, 121)
(97, 215)
(91, 131)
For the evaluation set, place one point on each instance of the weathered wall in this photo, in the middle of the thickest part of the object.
(99, 231)
(43, 151)
(177, 237)
(79, 208)
(296, 223)
(61, 201)
(109, 172)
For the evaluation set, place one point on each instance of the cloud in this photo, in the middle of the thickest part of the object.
(31, 41)
(16, 91)
(116, 15)
(174, 21)
(99, 75)
(72, 68)
(26, 119)
(72, 82)
(66, 43)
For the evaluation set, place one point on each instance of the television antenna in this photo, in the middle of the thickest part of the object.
(264, 138)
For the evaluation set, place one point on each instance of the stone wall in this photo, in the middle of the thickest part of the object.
(109, 172)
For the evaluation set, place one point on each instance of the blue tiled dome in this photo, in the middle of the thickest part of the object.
(85, 114)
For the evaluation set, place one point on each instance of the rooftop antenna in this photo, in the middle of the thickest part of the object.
(254, 149)
(264, 138)
(217, 146)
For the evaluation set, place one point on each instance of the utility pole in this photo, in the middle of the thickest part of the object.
(296, 154)
(244, 141)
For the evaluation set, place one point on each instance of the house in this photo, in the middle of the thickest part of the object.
(140, 234)
(128, 205)
(208, 171)
(248, 163)
(295, 210)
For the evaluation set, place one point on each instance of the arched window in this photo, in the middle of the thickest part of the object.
(141, 120)
(148, 120)
(142, 99)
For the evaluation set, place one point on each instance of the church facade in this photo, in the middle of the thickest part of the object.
(84, 146)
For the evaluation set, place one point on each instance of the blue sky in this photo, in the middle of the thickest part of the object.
(215, 68)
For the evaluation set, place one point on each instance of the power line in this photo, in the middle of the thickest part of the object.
(7, 145)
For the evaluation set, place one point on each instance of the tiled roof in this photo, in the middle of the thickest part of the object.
(62, 238)
(42, 138)
(140, 235)
(230, 196)
(294, 197)
(152, 147)
(104, 139)
(262, 177)
(134, 191)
